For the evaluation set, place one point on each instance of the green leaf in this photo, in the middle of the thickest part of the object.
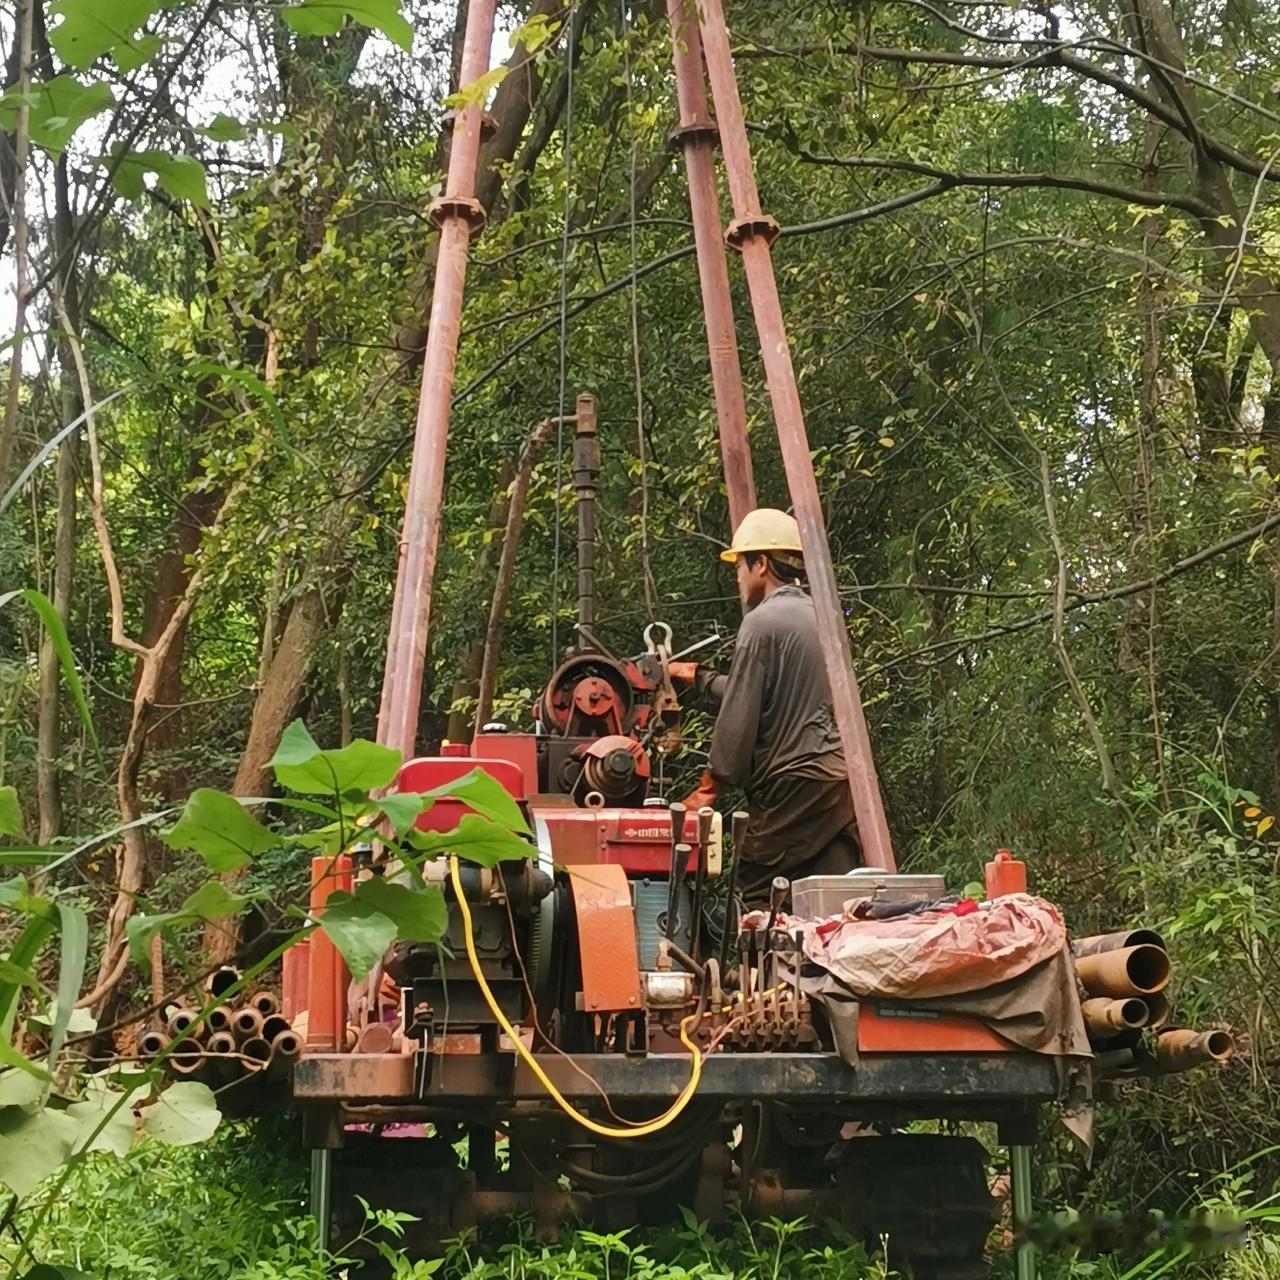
(360, 932)
(184, 1114)
(90, 28)
(11, 814)
(212, 901)
(37, 931)
(301, 766)
(141, 927)
(216, 826)
(73, 951)
(325, 18)
(402, 809)
(181, 176)
(129, 57)
(56, 109)
(10, 1057)
(48, 616)
(224, 128)
(33, 1144)
(105, 1119)
(474, 840)
(482, 792)
(419, 915)
(19, 1089)
(44, 1271)
(476, 93)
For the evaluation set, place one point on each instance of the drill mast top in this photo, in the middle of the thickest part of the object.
(701, 49)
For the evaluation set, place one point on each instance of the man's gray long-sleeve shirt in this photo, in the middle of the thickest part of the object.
(775, 716)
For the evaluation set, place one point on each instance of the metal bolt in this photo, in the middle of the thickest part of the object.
(631, 999)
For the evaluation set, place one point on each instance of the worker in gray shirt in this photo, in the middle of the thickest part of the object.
(775, 734)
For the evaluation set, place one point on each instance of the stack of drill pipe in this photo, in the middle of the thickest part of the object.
(241, 1038)
(1124, 976)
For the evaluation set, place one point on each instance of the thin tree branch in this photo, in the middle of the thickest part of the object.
(1062, 181)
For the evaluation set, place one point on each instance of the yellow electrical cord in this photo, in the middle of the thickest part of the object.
(652, 1126)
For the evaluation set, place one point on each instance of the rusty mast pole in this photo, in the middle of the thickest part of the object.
(457, 214)
(696, 134)
(752, 233)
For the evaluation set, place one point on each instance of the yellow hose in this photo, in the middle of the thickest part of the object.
(642, 1131)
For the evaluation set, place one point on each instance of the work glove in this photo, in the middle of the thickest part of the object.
(692, 673)
(705, 794)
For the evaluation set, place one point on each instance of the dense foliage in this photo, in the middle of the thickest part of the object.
(1029, 265)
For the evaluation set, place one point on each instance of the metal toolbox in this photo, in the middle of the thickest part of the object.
(815, 897)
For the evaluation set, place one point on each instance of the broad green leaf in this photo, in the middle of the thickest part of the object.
(11, 814)
(402, 809)
(184, 1114)
(129, 57)
(213, 901)
(476, 93)
(216, 826)
(37, 931)
(180, 176)
(13, 893)
(419, 915)
(326, 17)
(141, 927)
(360, 932)
(48, 616)
(10, 972)
(73, 951)
(482, 792)
(105, 1119)
(10, 1057)
(33, 1144)
(56, 109)
(45, 1271)
(224, 128)
(302, 766)
(473, 840)
(18, 1089)
(90, 28)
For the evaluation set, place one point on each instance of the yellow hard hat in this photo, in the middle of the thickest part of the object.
(768, 530)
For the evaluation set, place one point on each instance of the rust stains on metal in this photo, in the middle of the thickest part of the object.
(606, 938)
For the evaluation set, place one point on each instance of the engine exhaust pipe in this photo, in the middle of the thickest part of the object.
(151, 1044)
(1105, 1017)
(221, 980)
(1130, 971)
(266, 1003)
(246, 1024)
(1101, 942)
(1180, 1050)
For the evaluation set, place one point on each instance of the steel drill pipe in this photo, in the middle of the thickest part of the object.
(1117, 941)
(255, 1054)
(458, 215)
(151, 1044)
(219, 1018)
(183, 1020)
(286, 1049)
(1180, 1050)
(246, 1024)
(696, 136)
(223, 1055)
(1131, 971)
(266, 1003)
(1157, 1009)
(752, 233)
(221, 980)
(274, 1026)
(1105, 1017)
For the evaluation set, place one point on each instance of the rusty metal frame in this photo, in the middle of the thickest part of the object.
(458, 215)
(751, 233)
(606, 938)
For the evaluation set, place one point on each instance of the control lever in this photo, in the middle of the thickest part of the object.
(778, 891)
(678, 868)
(738, 833)
(706, 816)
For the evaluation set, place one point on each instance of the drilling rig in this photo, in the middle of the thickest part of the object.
(604, 1033)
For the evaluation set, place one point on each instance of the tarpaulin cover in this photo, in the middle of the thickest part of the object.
(936, 953)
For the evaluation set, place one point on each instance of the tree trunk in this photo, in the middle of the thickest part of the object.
(49, 725)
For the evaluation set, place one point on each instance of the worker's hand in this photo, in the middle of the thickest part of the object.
(683, 672)
(706, 793)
